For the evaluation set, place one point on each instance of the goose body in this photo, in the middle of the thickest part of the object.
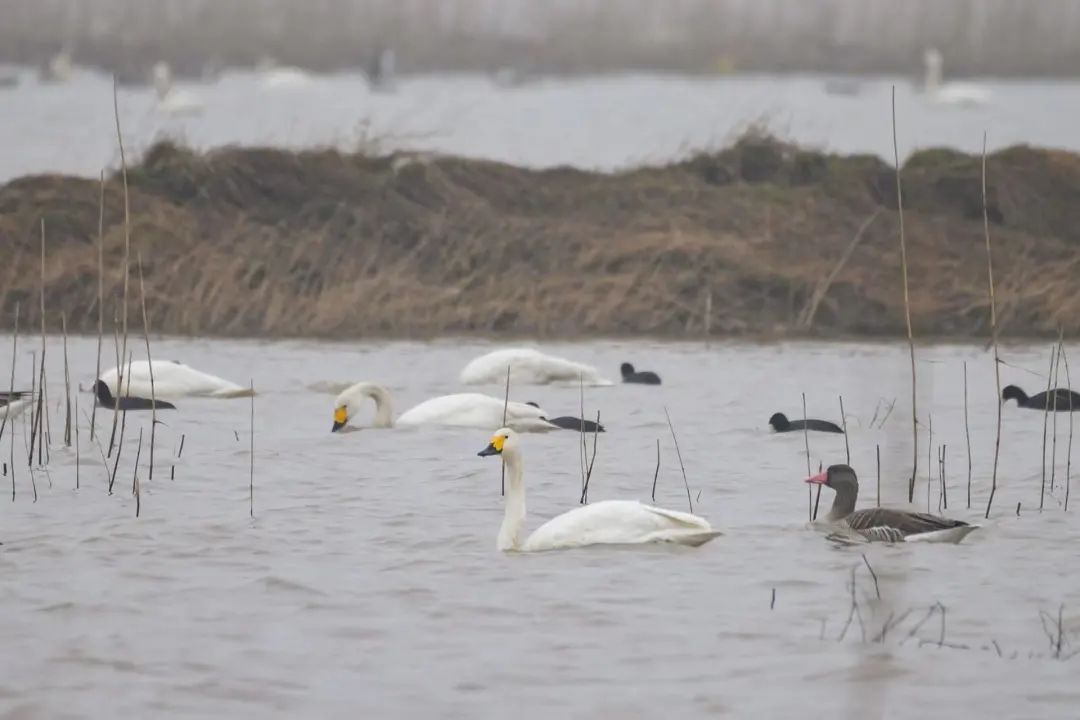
(643, 377)
(171, 380)
(471, 410)
(880, 524)
(780, 424)
(609, 522)
(1059, 399)
(530, 367)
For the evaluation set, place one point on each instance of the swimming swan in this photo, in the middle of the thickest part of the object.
(172, 380)
(528, 366)
(172, 101)
(609, 522)
(461, 410)
(949, 93)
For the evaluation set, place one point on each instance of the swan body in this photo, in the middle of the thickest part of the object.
(170, 100)
(471, 410)
(171, 380)
(609, 522)
(528, 366)
(963, 94)
(284, 77)
(13, 409)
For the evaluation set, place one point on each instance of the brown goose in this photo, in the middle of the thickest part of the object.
(881, 524)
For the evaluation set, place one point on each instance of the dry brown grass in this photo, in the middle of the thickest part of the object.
(320, 243)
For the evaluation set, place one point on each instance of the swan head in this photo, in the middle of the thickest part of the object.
(350, 401)
(504, 441)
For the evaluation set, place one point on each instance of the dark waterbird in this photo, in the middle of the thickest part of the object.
(780, 423)
(1059, 398)
(567, 422)
(105, 399)
(645, 377)
(881, 524)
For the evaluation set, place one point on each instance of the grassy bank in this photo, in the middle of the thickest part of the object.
(320, 243)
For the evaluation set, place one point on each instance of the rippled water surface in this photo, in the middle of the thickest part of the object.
(367, 584)
(605, 123)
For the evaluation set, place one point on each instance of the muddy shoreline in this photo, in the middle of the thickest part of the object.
(322, 244)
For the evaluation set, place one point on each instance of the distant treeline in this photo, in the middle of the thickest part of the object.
(1012, 38)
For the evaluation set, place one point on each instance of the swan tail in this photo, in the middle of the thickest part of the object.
(690, 538)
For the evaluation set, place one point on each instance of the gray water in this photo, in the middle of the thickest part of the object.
(596, 123)
(368, 585)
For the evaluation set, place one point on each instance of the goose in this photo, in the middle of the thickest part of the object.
(528, 366)
(881, 524)
(1059, 399)
(609, 522)
(644, 377)
(965, 94)
(568, 422)
(105, 399)
(780, 424)
(461, 410)
(172, 379)
(170, 100)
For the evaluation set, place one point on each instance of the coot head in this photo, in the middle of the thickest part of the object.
(779, 422)
(626, 369)
(1012, 392)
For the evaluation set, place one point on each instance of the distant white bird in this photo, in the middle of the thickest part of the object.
(461, 410)
(274, 76)
(172, 101)
(609, 522)
(963, 94)
(171, 380)
(528, 366)
(12, 405)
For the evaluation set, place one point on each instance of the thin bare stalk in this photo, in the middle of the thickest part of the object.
(583, 452)
(993, 333)
(136, 487)
(150, 364)
(929, 470)
(1046, 417)
(67, 385)
(251, 456)
(907, 306)
(14, 350)
(127, 238)
(119, 385)
(810, 504)
(967, 436)
(123, 426)
(172, 470)
(78, 455)
(100, 296)
(878, 475)
(1068, 451)
(588, 471)
(657, 473)
(1053, 443)
(708, 316)
(843, 420)
(506, 405)
(679, 454)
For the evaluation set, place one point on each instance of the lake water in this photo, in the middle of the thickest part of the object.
(600, 123)
(368, 584)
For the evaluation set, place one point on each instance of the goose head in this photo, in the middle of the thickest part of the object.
(841, 478)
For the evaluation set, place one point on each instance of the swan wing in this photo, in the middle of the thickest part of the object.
(619, 522)
(172, 380)
(475, 411)
(528, 366)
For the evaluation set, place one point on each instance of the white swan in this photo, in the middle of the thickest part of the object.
(272, 75)
(609, 522)
(471, 410)
(171, 380)
(949, 93)
(528, 366)
(170, 100)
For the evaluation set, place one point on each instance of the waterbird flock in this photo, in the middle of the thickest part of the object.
(145, 386)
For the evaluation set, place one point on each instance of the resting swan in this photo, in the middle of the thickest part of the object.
(609, 522)
(461, 410)
(171, 380)
(528, 366)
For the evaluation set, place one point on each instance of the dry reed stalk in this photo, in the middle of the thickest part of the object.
(119, 386)
(583, 453)
(172, 470)
(100, 297)
(506, 405)
(1068, 451)
(907, 306)
(708, 316)
(123, 426)
(678, 453)
(810, 504)
(251, 456)
(822, 289)
(929, 471)
(843, 420)
(127, 240)
(967, 436)
(1046, 417)
(150, 365)
(943, 491)
(67, 384)
(878, 475)
(993, 333)
(1053, 445)
(78, 455)
(136, 489)
(588, 471)
(14, 350)
(656, 474)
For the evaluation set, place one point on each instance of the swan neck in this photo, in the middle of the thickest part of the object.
(384, 409)
(514, 515)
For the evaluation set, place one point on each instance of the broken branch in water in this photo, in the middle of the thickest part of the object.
(678, 453)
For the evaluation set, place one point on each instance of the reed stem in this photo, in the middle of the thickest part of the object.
(993, 333)
(101, 298)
